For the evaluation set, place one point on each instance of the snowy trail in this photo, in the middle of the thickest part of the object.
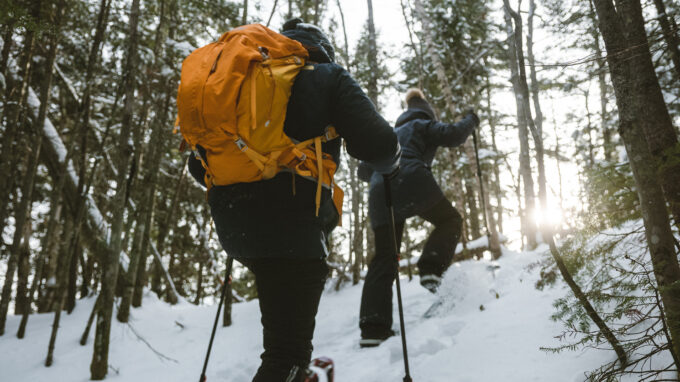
(462, 343)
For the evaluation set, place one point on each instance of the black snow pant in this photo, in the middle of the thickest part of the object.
(289, 291)
(375, 316)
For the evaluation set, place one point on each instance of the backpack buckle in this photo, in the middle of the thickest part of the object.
(264, 52)
(241, 144)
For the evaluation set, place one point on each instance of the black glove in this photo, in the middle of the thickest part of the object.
(469, 113)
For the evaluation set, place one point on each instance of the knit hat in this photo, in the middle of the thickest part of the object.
(312, 38)
(415, 100)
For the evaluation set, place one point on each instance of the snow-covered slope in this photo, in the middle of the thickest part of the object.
(490, 329)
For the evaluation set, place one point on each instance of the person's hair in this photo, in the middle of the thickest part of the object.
(412, 93)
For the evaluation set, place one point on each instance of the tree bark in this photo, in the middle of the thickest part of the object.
(62, 283)
(99, 365)
(416, 52)
(498, 192)
(644, 125)
(372, 85)
(345, 51)
(523, 120)
(163, 231)
(357, 237)
(21, 304)
(15, 116)
(670, 35)
(8, 33)
(583, 300)
(537, 126)
(608, 146)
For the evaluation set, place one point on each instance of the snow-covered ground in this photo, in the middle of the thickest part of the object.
(490, 329)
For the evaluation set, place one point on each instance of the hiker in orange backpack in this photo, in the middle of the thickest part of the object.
(271, 193)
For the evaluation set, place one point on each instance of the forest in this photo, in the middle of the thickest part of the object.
(576, 158)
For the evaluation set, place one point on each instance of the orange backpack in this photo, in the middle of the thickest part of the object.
(232, 101)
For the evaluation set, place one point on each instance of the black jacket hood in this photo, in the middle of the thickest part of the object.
(411, 115)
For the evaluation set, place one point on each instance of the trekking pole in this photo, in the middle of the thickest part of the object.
(390, 207)
(227, 279)
(481, 182)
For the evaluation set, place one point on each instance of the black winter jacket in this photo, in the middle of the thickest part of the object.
(414, 189)
(265, 219)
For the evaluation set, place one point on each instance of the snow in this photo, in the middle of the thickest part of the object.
(183, 47)
(491, 327)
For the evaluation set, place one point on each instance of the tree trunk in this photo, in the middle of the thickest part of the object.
(39, 264)
(523, 120)
(357, 237)
(7, 35)
(163, 231)
(537, 126)
(244, 15)
(21, 304)
(226, 317)
(416, 52)
(473, 216)
(130, 276)
(582, 298)
(372, 85)
(62, 283)
(498, 192)
(99, 365)
(274, 8)
(608, 146)
(345, 51)
(670, 35)
(8, 162)
(644, 125)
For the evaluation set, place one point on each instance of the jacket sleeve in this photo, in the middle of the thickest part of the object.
(367, 135)
(365, 172)
(451, 134)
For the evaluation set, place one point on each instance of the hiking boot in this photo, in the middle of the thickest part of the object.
(430, 282)
(373, 339)
(320, 370)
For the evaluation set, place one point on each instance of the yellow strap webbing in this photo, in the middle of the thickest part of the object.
(319, 162)
(253, 98)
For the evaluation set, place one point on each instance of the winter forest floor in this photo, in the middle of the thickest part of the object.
(491, 329)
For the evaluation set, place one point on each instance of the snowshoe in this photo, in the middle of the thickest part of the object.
(320, 370)
(430, 282)
(434, 309)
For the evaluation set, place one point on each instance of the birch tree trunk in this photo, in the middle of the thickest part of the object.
(498, 193)
(99, 365)
(537, 126)
(523, 118)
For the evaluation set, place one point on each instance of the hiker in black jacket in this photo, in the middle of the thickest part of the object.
(414, 192)
(270, 226)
